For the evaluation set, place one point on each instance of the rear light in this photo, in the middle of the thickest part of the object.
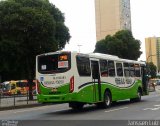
(72, 84)
(38, 87)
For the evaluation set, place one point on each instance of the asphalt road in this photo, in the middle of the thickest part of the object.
(60, 114)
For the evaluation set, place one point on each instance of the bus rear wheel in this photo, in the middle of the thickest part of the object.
(76, 105)
(106, 101)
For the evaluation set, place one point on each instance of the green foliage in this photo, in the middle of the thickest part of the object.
(151, 69)
(121, 44)
(28, 28)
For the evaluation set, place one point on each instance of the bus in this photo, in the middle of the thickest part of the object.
(9, 88)
(93, 78)
(16, 87)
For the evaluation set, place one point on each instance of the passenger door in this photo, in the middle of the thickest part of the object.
(96, 80)
(145, 79)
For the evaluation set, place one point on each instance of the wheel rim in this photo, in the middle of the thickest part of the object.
(108, 100)
(139, 95)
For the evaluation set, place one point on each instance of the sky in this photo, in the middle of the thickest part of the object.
(80, 19)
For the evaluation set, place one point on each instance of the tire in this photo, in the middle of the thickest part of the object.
(138, 99)
(106, 101)
(76, 105)
(139, 93)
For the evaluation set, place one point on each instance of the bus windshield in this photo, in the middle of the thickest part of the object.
(55, 63)
(5, 86)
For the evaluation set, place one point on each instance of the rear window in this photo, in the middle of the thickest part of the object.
(56, 63)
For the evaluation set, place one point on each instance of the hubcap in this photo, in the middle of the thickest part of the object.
(107, 100)
(139, 95)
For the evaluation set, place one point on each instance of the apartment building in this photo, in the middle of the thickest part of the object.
(152, 46)
(111, 16)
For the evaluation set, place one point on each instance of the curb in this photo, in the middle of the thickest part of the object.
(26, 106)
(21, 106)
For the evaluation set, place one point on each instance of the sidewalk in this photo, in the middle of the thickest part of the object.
(158, 88)
(20, 106)
(7, 103)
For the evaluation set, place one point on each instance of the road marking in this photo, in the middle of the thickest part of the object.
(157, 107)
(152, 108)
(116, 109)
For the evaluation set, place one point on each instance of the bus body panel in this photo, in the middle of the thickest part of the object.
(83, 95)
(56, 87)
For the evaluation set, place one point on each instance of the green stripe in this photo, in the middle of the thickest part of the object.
(89, 93)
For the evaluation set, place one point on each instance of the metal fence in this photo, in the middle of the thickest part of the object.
(16, 100)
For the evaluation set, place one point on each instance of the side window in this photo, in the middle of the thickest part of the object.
(132, 71)
(13, 86)
(83, 66)
(119, 69)
(126, 69)
(104, 68)
(111, 68)
(137, 70)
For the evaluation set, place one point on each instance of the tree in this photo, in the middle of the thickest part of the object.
(28, 28)
(121, 44)
(152, 70)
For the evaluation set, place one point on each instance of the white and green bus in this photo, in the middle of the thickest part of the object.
(79, 79)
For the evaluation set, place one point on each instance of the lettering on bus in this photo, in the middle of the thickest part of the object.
(59, 77)
(119, 81)
(56, 80)
(128, 81)
(53, 82)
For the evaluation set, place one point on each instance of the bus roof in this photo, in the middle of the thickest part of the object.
(101, 55)
(113, 57)
(57, 52)
(96, 55)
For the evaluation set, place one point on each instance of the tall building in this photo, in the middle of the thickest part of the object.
(111, 16)
(152, 46)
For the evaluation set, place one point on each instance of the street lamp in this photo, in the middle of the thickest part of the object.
(79, 47)
(150, 56)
